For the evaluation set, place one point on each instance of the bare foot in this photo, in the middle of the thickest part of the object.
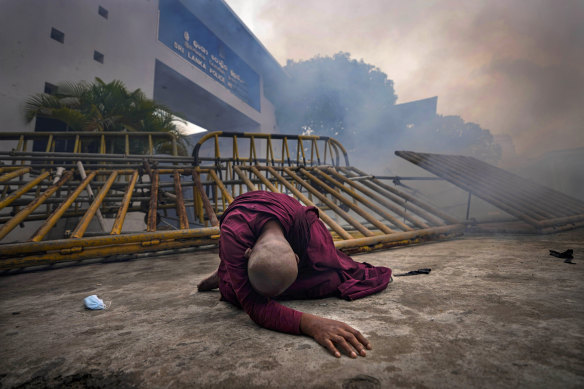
(209, 283)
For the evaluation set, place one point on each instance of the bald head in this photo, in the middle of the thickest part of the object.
(272, 266)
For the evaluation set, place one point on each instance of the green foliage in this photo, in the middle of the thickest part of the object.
(101, 106)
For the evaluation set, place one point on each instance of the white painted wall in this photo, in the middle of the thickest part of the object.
(128, 40)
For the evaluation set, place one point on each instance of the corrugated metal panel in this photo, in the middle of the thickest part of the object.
(541, 207)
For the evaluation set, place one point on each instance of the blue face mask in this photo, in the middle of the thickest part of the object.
(94, 302)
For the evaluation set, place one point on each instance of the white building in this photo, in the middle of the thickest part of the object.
(195, 56)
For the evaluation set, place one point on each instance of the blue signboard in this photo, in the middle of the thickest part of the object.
(187, 36)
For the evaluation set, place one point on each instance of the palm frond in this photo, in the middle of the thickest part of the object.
(40, 104)
(74, 119)
(101, 106)
(72, 89)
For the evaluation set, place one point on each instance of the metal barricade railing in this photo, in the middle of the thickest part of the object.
(541, 209)
(91, 142)
(62, 206)
(279, 149)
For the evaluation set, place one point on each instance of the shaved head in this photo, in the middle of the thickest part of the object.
(272, 265)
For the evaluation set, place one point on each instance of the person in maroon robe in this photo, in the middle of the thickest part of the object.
(271, 246)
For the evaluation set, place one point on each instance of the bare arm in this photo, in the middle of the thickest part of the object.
(329, 333)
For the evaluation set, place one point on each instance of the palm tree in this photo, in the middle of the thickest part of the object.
(104, 107)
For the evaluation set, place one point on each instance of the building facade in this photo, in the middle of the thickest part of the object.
(195, 56)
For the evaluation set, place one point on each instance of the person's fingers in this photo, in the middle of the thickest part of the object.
(363, 340)
(342, 343)
(358, 346)
(331, 347)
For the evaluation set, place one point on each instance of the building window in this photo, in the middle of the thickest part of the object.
(57, 35)
(98, 56)
(50, 89)
(103, 12)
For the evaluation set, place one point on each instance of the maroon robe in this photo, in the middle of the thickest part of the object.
(323, 271)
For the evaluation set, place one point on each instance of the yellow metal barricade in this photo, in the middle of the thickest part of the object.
(88, 203)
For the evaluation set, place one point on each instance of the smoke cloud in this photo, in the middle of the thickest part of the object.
(513, 67)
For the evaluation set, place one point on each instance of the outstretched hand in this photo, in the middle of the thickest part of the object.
(329, 333)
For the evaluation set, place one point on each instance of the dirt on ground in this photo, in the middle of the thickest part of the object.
(495, 311)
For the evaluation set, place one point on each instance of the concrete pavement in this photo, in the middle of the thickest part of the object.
(496, 311)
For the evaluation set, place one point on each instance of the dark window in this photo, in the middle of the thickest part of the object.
(47, 124)
(44, 124)
(98, 56)
(50, 89)
(103, 12)
(57, 35)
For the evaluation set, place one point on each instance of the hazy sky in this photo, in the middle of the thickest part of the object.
(512, 66)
